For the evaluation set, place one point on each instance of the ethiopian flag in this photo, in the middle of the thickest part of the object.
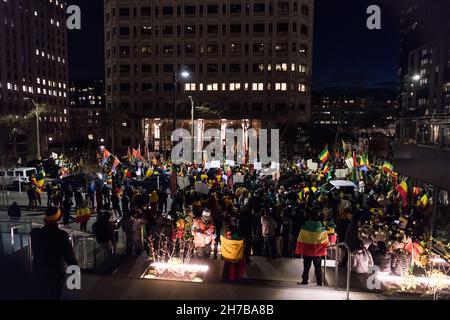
(312, 240)
(324, 155)
(387, 167)
(423, 201)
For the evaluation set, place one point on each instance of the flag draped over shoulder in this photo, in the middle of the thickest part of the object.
(232, 250)
(39, 179)
(324, 155)
(312, 240)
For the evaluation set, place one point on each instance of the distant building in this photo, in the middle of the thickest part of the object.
(87, 113)
(33, 64)
(425, 57)
(249, 62)
(352, 108)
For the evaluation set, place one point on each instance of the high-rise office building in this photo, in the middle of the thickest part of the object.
(33, 61)
(247, 62)
(425, 57)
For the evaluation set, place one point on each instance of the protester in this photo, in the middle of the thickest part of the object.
(52, 250)
(269, 227)
(312, 245)
(103, 229)
(204, 234)
(14, 211)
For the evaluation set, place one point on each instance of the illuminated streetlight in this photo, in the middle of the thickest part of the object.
(416, 77)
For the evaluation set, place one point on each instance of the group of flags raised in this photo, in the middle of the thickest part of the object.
(360, 163)
(132, 156)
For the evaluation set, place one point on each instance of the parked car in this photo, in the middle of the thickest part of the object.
(10, 178)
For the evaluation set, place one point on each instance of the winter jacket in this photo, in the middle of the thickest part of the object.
(269, 226)
(203, 234)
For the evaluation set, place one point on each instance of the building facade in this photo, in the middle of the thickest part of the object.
(246, 62)
(425, 57)
(87, 113)
(33, 62)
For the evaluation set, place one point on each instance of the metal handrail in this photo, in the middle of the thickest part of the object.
(336, 267)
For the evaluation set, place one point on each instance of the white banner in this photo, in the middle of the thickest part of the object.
(341, 173)
(349, 163)
(215, 164)
(312, 165)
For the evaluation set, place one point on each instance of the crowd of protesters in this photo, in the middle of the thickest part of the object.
(295, 215)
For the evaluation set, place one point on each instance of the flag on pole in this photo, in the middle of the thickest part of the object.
(326, 169)
(134, 153)
(146, 156)
(324, 155)
(129, 155)
(387, 167)
(402, 190)
(106, 154)
(423, 201)
(344, 146)
(139, 156)
(116, 163)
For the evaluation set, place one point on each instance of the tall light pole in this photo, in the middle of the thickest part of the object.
(36, 109)
(192, 126)
(184, 74)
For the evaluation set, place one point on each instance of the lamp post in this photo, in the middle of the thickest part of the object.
(192, 127)
(36, 108)
(184, 74)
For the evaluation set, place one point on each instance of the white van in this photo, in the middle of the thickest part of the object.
(25, 173)
(11, 177)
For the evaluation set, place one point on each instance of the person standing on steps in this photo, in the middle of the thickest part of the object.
(312, 244)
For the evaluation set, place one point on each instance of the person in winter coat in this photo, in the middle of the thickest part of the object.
(154, 202)
(83, 213)
(132, 225)
(14, 211)
(52, 250)
(269, 228)
(78, 198)
(361, 259)
(115, 201)
(204, 234)
(312, 244)
(246, 224)
(125, 203)
(103, 229)
(91, 192)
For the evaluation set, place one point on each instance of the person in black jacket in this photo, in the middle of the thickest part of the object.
(246, 224)
(14, 211)
(51, 250)
(104, 230)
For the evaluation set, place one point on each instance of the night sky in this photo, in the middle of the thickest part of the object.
(346, 53)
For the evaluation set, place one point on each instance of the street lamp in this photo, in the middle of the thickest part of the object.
(176, 77)
(192, 125)
(416, 77)
(36, 108)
